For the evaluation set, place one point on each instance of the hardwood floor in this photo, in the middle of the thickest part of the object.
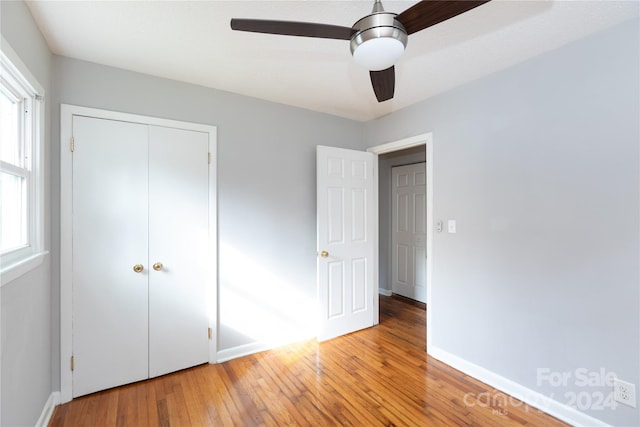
(377, 377)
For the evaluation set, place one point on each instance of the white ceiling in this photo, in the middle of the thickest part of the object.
(191, 41)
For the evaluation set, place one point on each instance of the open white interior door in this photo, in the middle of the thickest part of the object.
(346, 245)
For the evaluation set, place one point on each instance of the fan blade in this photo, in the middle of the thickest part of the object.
(383, 83)
(431, 12)
(292, 28)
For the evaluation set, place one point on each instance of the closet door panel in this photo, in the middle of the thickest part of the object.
(178, 239)
(110, 236)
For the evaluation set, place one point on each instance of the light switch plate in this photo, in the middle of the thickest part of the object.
(451, 225)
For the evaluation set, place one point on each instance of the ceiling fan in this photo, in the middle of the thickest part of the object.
(377, 40)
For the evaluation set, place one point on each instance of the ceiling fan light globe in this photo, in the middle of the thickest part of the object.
(379, 41)
(379, 53)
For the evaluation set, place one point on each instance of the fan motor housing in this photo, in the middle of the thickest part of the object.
(378, 25)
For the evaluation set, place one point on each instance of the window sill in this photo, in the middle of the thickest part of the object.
(17, 269)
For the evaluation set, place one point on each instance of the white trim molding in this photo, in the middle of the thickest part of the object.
(242, 350)
(11, 54)
(528, 396)
(402, 144)
(385, 292)
(49, 407)
(22, 267)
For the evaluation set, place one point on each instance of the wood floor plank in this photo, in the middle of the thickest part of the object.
(277, 407)
(380, 376)
(126, 410)
(211, 393)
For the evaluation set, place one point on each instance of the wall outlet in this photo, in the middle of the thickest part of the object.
(624, 392)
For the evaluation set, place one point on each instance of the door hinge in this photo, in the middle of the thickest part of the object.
(73, 363)
(72, 144)
(209, 332)
(209, 158)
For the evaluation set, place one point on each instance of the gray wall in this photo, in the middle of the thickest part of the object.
(539, 165)
(26, 302)
(385, 163)
(266, 189)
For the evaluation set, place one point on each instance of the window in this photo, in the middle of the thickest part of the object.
(21, 126)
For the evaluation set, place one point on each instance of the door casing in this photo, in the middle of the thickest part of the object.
(66, 227)
(425, 139)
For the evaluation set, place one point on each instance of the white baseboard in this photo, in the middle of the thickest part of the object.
(257, 347)
(241, 350)
(385, 292)
(47, 411)
(530, 397)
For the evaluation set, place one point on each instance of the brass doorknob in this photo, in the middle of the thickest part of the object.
(138, 268)
(157, 266)
(324, 254)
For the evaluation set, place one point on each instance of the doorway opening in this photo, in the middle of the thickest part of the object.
(402, 223)
(412, 150)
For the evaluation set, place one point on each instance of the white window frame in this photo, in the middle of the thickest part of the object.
(16, 263)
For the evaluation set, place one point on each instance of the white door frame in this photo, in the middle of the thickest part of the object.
(66, 227)
(425, 139)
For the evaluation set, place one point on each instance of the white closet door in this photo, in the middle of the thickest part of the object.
(178, 237)
(110, 329)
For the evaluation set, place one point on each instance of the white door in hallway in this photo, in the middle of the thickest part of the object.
(345, 210)
(408, 236)
(140, 251)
